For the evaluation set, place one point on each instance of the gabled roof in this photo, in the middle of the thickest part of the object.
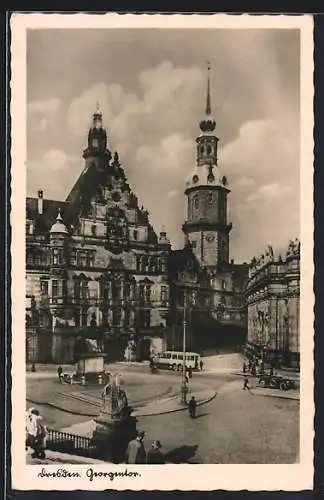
(50, 210)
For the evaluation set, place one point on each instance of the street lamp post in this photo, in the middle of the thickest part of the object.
(184, 385)
(184, 339)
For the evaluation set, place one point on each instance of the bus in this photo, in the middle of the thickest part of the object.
(173, 360)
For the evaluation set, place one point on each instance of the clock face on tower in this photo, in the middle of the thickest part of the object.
(210, 237)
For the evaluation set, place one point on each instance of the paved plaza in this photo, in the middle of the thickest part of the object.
(232, 425)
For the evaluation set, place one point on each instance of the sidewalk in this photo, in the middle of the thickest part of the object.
(54, 457)
(276, 393)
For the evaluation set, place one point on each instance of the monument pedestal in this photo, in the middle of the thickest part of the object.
(112, 435)
(91, 365)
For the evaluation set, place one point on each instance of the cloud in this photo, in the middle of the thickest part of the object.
(57, 165)
(41, 114)
(171, 194)
(47, 106)
(267, 209)
(269, 192)
(152, 104)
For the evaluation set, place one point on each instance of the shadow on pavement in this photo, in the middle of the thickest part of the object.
(201, 415)
(181, 455)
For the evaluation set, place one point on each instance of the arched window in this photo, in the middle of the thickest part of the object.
(209, 149)
(196, 203)
(210, 198)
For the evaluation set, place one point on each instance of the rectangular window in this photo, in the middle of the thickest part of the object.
(73, 257)
(164, 294)
(116, 317)
(147, 318)
(57, 256)
(223, 285)
(94, 230)
(126, 290)
(147, 294)
(38, 258)
(141, 289)
(84, 290)
(30, 259)
(54, 288)
(44, 287)
(81, 259)
(84, 317)
(77, 289)
(126, 317)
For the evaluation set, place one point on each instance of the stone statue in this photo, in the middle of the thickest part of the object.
(269, 254)
(91, 345)
(114, 400)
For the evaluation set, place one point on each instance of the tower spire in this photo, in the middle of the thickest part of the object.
(208, 100)
(208, 124)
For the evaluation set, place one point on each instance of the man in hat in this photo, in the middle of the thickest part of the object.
(135, 453)
(154, 455)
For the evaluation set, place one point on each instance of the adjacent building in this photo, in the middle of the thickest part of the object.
(272, 298)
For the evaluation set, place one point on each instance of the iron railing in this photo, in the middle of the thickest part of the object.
(65, 442)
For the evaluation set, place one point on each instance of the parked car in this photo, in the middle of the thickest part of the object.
(277, 382)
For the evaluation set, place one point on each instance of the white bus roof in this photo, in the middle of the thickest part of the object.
(181, 352)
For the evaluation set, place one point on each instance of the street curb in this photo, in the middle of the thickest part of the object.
(204, 401)
(275, 396)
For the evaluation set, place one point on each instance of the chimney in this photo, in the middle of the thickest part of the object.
(40, 202)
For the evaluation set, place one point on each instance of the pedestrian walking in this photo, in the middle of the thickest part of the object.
(59, 372)
(201, 364)
(35, 433)
(246, 383)
(192, 407)
(154, 455)
(135, 453)
(190, 372)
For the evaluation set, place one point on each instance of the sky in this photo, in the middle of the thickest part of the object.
(151, 87)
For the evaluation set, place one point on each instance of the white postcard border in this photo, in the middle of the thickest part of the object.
(167, 477)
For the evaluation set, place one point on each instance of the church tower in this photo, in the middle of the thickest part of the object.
(96, 151)
(206, 228)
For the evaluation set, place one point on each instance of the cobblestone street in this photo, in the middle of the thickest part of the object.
(235, 427)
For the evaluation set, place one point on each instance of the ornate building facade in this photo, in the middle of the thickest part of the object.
(272, 297)
(96, 267)
(94, 263)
